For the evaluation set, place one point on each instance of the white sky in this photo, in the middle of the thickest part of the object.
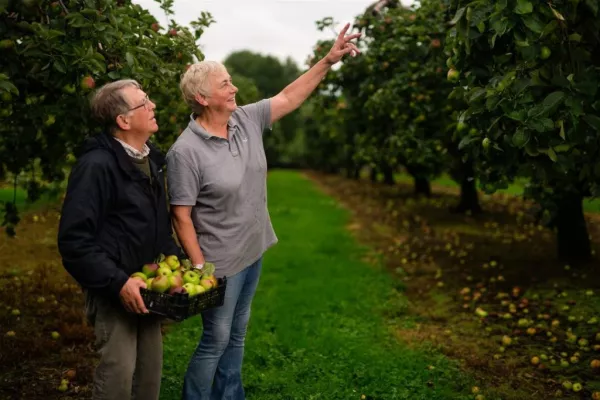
(279, 28)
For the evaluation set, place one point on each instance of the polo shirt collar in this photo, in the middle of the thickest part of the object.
(200, 131)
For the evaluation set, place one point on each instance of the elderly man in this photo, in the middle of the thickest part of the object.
(217, 184)
(114, 220)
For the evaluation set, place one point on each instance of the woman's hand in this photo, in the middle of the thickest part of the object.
(342, 46)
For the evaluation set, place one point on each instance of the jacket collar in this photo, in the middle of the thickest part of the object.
(156, 157)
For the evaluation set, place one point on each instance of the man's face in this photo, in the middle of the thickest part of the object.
(222, 92)
(140, 117)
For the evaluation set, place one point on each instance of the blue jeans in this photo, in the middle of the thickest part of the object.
(215, 370)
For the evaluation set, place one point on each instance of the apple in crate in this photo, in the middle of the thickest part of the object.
(190, 288)
(191, 277)
(160, 284)
(139, 275)
(173, 262)
(150, 270)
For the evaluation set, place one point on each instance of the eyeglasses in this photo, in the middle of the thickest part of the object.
(145, 104)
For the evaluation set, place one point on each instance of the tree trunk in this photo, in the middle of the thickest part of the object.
(572, 236)
(356, 173)
(422, 186)
(374, 175)
(469, 199)
(388, 174)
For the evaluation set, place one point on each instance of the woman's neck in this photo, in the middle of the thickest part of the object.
(213, 123)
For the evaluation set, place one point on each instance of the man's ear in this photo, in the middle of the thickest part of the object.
(201, 99)
(123, 123)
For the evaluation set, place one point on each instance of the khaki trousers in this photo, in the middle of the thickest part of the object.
(130, 349)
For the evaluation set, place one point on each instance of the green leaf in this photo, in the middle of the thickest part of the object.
(492, 102)
(465, 141)
(593, 6)
(459, 13)
(130, 59)
(9, 87)
(592, 121)
(551, 27)
(501, 5)
(553, 100)
(575, 37)
(517, 115)
(476, 94)
(561, 124)
(533, 23)
(59, 66)
(114, 75)
(523, 7)
(552, 154)
(561, 148)
(500, 25)
(541, 124)
(520, 138)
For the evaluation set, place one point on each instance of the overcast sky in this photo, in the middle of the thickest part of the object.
(275, 27)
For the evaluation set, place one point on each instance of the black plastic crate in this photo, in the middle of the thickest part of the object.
(181, 306)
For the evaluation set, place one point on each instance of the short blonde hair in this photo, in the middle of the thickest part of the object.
(109, 102)
(195, 81)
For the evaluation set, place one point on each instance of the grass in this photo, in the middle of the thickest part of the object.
(8, 195)
(322, 318)
(516, 189)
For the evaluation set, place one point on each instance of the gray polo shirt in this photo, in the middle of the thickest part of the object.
(225, 182)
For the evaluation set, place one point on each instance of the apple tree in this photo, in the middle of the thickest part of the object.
(54, 53)
(528, 73)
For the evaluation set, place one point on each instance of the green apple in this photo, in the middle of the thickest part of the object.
(139, 275)
(453, 75)
(206, 283)
(163, 264)
(165, 271)
(172, 262)
(200, 289)
(149, 283)
(175, 281)
(150, 270)
(160, 284)
(545, 53)
(190, 288)
(191, 277)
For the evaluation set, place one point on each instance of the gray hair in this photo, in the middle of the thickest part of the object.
(109, 102)
(195, 81)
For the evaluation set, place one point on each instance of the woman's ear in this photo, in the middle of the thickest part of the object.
(201, 99)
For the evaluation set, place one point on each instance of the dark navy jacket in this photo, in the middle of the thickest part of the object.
(114, 218)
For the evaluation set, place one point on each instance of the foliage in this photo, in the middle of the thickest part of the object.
(529, 72)
(53, 55)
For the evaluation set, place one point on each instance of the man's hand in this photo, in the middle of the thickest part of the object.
(131, 297)
(342, 46)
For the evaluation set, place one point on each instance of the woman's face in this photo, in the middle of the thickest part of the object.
(222, 92)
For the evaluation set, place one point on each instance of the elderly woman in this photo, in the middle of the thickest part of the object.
(216, 173)
(114, 220)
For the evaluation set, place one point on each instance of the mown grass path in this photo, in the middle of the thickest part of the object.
(322, 320)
